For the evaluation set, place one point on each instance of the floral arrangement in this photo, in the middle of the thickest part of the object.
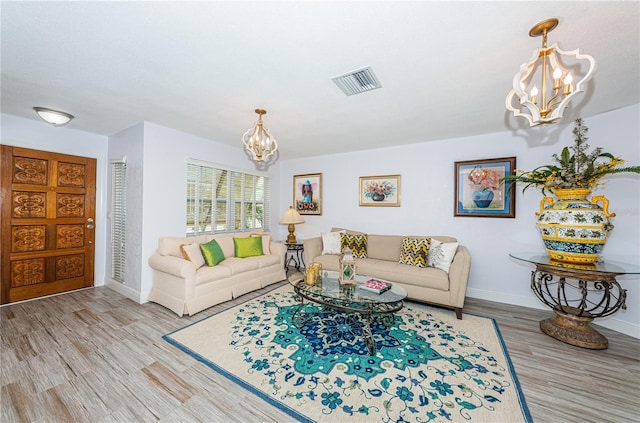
(378, 188)
(574, 168)
(483, 179)
(306, 206)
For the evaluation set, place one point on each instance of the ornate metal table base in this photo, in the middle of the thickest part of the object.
(576, 304)
(574, 330)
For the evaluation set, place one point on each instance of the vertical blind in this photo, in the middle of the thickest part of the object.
(221, 200)
(118, 219)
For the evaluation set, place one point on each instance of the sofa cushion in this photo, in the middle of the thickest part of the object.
(331, 242)
(356, 243)
(192, 253)
(240, 265)
(170, 245)
(414, 251)
(212, 252)
(247, 247)
(441, 254)
(384, 247)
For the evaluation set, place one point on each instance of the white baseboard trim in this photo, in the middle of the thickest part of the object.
(532, 302)
(120, 288)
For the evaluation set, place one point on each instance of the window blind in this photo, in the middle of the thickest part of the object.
(221, 200)
(118, 219)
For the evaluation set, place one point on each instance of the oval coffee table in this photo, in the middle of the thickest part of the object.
(364, 306)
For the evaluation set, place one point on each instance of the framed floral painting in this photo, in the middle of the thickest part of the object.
(307, 193)
(479, 191)
(380, 191)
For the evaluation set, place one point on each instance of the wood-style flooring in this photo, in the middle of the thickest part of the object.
(96, 356)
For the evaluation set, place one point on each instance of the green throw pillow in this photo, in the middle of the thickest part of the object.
(248, 247)
(356, 243)
(212, 252)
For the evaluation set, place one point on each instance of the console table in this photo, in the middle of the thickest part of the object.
(577, 294)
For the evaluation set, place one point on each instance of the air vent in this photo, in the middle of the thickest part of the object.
(358, 81)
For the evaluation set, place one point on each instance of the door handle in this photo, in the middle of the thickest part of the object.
(89, 226)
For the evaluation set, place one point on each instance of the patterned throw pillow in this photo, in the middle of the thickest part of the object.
(441, 254)
(414, 251)
(356, 243)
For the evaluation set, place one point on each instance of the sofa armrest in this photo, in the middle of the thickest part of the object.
(459, 275)
(173, 265)
(280, 250)
(312, 249)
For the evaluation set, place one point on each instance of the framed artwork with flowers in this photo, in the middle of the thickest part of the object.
(307, 193)
(480, 190)
(380, 191)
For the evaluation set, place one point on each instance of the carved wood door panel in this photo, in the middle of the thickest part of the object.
(48, 213)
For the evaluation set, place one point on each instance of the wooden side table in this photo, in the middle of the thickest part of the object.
(577, 294)
(296, 251)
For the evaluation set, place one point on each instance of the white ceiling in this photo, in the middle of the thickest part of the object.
(203, 67)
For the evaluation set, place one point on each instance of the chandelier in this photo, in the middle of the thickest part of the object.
(258, 141)
(545, 84)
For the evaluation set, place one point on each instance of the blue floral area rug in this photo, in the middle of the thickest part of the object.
(428, 366)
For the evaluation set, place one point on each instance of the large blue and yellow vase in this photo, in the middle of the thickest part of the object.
(574, 229)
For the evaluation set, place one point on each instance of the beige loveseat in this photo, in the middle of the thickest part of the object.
(185, 287)
(425, 284)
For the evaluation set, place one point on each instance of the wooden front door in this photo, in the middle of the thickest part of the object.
(48, 220)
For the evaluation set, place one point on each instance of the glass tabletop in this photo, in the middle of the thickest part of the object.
(330, 288)
(605, 266)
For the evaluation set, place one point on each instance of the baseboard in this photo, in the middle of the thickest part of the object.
(532, 302)
(120, 288)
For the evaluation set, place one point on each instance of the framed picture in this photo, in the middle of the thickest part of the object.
(380, 191)
(479, 191)
(307, 193)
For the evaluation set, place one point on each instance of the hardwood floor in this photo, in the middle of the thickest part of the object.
(95, 356)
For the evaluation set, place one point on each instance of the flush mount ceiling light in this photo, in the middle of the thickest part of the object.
(258, 141)
(357, 81)
(544, 85)
(53, 117)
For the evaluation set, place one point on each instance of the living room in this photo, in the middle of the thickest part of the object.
(157, 156)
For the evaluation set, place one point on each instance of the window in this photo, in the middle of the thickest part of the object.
(221, 200)
(118, 219)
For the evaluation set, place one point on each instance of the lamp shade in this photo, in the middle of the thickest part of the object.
(291, 216)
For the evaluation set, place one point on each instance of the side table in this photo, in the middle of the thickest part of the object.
(577, 294)
(295, 254)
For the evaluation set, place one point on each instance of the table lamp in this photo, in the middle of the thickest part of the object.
(291, 217)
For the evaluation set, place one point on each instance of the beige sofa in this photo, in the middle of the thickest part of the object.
(184, 287)
(428, 284)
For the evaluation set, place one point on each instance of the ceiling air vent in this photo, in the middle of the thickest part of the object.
(357, 81)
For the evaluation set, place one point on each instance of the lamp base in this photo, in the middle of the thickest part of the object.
(291, 239)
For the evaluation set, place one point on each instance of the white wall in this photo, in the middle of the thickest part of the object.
(427, 199)
(39, 135)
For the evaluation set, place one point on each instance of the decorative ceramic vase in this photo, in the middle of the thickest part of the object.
(482, 198)
(377, 197)
(573, 228)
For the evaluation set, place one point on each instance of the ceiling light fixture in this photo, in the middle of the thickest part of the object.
(547, 79)
(53, 117)
(259, 142)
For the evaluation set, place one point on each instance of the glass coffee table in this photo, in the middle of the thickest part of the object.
(361, 306)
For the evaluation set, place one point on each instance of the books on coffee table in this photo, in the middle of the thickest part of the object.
(377, 286)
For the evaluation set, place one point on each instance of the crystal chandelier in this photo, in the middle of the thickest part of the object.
(545, 85)
(259, 142)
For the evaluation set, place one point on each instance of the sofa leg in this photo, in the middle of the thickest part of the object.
(458, 313)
